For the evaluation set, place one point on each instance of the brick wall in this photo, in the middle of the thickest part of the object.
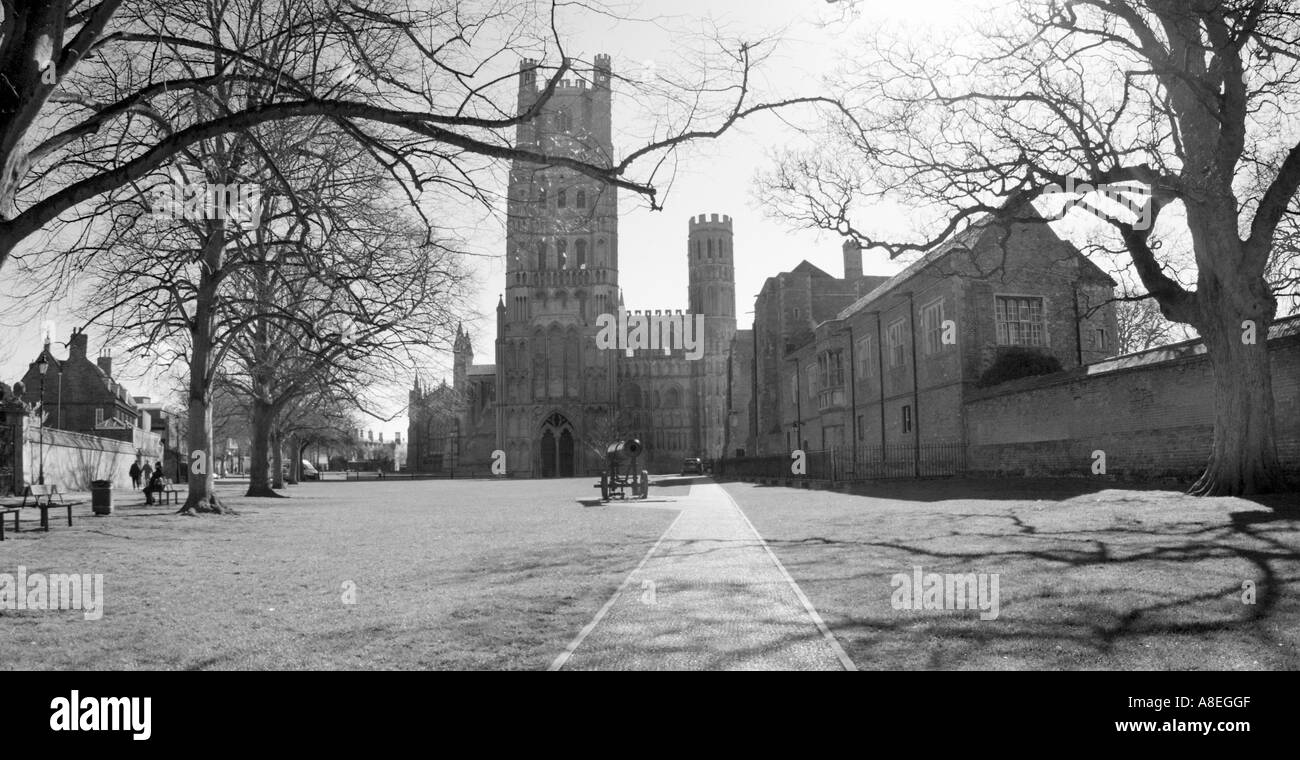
(1151, 420)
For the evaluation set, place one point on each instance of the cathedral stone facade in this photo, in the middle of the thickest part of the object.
(554, 398)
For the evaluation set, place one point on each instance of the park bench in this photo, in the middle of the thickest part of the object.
(47, 491)
(170, 489)
(8, 511)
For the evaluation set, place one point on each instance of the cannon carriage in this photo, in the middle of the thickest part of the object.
(621, 474)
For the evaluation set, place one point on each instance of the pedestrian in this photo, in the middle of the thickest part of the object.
(134, 472)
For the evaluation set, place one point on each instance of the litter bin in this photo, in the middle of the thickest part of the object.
(101, 497)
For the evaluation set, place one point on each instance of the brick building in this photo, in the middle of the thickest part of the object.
(863, 361)
(82, 396)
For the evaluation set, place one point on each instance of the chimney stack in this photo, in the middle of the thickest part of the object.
(852, 260)
(77, 345)
(105, 362)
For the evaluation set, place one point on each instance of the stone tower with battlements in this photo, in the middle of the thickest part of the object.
(554, 398)
(561, 272)
(712, 292)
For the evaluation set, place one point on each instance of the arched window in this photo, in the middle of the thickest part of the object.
(541, 196)
(580, 200)
(674, 399)
(563, 121)
(710, 247)
(561, 253)
(560, 199)
(541, 255)
(581, 249)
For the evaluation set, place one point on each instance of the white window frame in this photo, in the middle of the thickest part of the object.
(1100, 338)
(1002, 338)
(894, 340)
(931, 328)
(865, 351)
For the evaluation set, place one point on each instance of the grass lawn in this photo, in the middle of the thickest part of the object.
(1089, 576)
(448, 574)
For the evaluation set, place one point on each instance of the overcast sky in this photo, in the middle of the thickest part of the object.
(717, 178)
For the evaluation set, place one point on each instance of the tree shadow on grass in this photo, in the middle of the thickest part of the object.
(1091, 584)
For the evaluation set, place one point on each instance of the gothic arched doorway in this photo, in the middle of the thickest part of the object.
(548, 454)
(556, 444)
(566, 453)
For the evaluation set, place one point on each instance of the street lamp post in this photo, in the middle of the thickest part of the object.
(42, 366)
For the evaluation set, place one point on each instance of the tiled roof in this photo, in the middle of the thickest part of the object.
(964, 239)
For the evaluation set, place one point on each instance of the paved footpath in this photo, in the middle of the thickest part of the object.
(709, 596)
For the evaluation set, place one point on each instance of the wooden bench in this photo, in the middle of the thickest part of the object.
(169, 489)
(47, 491)
(7, 511)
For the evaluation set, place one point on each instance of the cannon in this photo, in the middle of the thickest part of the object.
(621, 472)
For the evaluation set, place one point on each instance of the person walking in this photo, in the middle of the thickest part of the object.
(134, 472)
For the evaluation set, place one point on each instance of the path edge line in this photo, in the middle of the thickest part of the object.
(845, 661)
(564, 656)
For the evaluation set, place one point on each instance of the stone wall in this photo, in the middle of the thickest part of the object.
(1151, 413)
(72, 460)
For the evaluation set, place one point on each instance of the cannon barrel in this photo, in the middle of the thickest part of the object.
(623, 450)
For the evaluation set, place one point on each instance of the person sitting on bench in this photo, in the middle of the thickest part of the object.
(155, 484)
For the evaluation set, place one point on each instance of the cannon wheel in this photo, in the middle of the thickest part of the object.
(644, 485)
(604, 486)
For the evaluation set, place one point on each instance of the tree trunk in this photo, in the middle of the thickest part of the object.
(295, 463)
(259, 478)
(1243, 459)
(202, 494)
(277, 461)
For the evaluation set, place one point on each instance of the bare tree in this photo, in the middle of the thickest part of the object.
(1166, 105)
(125, 86)
(1142, 326)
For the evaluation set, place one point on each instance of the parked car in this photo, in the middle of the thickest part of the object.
(692, 466)
(309, 472)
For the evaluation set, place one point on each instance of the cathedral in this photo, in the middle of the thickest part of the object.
(555, 396)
